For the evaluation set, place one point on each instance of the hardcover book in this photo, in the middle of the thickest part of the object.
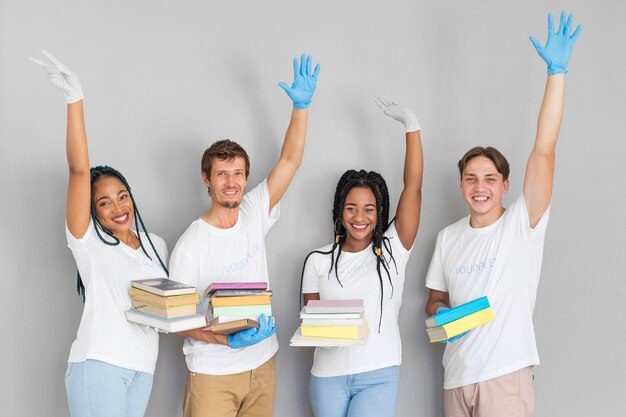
(335, 332)
(215, 286)
(304, 315)
(302, 341)
(246, 300)
(235, 293)
(179, 324)
(334, 306)
(163, 286)
(243, 311)
(332, 322)
(165, 312)
(457, 312)
(231, 327)
(171, 301)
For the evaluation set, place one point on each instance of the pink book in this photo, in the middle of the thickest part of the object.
(334, 306)
(235, 286)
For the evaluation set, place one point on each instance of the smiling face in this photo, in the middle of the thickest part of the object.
(114, 207)
(227, 181)
(359, 218)
(482, 188)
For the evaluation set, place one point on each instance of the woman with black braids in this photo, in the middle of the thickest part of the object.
(111, 361)
(367, 260)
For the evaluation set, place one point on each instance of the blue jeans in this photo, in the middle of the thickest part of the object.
(99, 389)
(367, 394)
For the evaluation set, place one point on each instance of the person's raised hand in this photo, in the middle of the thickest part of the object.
(558, 48)
(402, 114)
(304, 82)
(62, 77)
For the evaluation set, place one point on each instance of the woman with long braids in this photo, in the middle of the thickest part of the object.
(366, 261)
(111, 361)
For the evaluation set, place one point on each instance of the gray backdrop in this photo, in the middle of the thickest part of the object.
(164, 79)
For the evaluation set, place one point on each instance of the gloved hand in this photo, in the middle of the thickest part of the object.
(558, 48)
(253, 336)
(402, 114)
(62, 77)
(453, 338)
(304, 82)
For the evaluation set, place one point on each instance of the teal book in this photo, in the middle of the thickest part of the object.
(457, 312)
(243, 311)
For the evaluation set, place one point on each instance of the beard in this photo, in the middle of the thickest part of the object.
(230, 204)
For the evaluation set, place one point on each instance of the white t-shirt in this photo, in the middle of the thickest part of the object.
(357, 273)
(107, 272)
(503, 262)
(206, 254)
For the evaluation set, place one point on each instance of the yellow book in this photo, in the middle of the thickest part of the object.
(456, 327)
(336, 332)
(245, 300)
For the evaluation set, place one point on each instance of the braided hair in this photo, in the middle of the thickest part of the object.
(98, 173)
(376, 183)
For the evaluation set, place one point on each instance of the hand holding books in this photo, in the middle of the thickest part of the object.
(450, 324)
(254, 335)
(452, 339)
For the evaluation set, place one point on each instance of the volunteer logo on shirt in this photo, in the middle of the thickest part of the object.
(241, 263)
(348, 272)
(143, 261)
(475, 268)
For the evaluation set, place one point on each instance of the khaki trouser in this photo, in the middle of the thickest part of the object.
(510, 395)
(246, 394)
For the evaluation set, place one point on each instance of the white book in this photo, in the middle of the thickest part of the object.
(304, 315)
(333, 322)
(179, 324)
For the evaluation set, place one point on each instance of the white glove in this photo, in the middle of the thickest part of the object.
(62, 77)
(400, 113)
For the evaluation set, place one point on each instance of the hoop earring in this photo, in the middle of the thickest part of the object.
(337, 235)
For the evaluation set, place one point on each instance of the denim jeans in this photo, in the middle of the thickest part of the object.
(99, 389)
(366, 394)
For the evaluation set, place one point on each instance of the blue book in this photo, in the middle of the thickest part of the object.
(457, 312)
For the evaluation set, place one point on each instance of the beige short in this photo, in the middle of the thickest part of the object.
(510, 395)
(246, 394)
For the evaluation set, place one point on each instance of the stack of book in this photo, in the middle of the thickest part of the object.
(332, 323)
(457, 320)
(165, 304)
(237, 305)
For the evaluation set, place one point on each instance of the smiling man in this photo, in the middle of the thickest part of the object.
(234, 375)
(497, 252)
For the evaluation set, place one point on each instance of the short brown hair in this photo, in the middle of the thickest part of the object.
(502, 165)
(223, 150)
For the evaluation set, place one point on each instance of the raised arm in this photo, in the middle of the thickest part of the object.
(540, 167)
(79, 187)
(410, 203)
(301, 92)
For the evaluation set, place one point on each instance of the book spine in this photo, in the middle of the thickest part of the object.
(240, 300)
(244, 311)
(457, 312)
(235, 293)
(236, 286)
(332, 322)
(335, 332)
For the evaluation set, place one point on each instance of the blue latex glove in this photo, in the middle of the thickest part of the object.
(304, 82)
(453, 338)
(253, 336)
(558, 48)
